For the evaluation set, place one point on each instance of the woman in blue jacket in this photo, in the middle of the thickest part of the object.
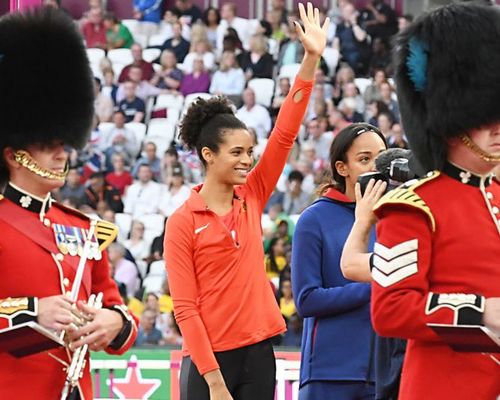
(337, 339)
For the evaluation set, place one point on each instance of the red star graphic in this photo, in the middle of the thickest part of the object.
(134, 386)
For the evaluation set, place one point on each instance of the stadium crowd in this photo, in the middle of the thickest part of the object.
(135, 173)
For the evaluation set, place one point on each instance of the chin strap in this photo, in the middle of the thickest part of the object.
(477, 150)
(24, 158)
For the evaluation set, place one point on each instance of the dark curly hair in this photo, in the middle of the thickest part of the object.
(206, 122)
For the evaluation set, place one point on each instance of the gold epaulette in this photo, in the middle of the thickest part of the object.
(1, 197)
(105, 232)
(405, 194)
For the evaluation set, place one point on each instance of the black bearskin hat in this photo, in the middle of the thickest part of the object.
(447, 67)
(46, 85)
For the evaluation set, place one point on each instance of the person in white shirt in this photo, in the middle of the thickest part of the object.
(120, 140)
(254, 115)
(143, 89)
(199, 49)
(123, 270)
(229, 19)
(175, 194)
(229, 79)
(143, 196)
(138, 246)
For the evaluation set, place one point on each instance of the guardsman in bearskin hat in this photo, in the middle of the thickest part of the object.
(46, 104)
(436, 263)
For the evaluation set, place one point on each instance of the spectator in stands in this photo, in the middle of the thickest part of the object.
(211, 19)
(94, 31)
(169, 161)
(275, 260)
(170, 17)
(384, 123)
(137, 246)
(231, 20)
(177, 43)
(273, 18)
(374, 110)
(229, 79)
(254, 115)
(381, 21)
(291, 50)
(169, 77)
(257, 62)
(336, 311)
(281, 93)
(119, 177)
(117, 35)
(150, 158)
(381, 56)
(99, 192)
(148, 10)
(351, 91)
(348, 108)
(197, 81)
(200, 48)
(103, 105)
(398, 138)
(231, 42)
(132, 106)
(295, 199)
(189, 12)
(73, 187)
(387, 96)
(287, 305)
(148, 334)
(293, 334)
(125, 271)
(175, 193)
(120, 139)
(351, 40)
(109, 88)
(320, 140)
(143, 196)
(279, 7)
(372, 92)
(344, 74)
(143, 89)
(336, 122)
(146, 67)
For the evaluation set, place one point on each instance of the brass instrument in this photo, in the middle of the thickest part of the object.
(75, 370)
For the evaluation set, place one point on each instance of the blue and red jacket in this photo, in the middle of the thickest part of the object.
(337, 339)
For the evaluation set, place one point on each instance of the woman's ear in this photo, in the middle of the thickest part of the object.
(342, 169)
(207, 155)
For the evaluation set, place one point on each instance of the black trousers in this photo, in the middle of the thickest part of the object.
(249, 373)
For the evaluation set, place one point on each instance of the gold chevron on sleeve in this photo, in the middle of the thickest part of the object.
(405, 194)
(106, 233)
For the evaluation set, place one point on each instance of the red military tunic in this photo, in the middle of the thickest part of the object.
(31, 265)
(436, 259)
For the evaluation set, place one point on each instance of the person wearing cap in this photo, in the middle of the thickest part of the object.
(41, 241)
(436, 259)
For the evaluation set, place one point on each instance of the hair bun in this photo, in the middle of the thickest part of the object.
(199, 113)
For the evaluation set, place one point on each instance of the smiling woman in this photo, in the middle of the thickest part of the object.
(223, 302)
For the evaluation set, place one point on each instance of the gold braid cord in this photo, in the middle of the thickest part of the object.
(405, 194)
(24, 158)
(478, 151)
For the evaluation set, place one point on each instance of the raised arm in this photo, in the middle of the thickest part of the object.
(263, 178)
